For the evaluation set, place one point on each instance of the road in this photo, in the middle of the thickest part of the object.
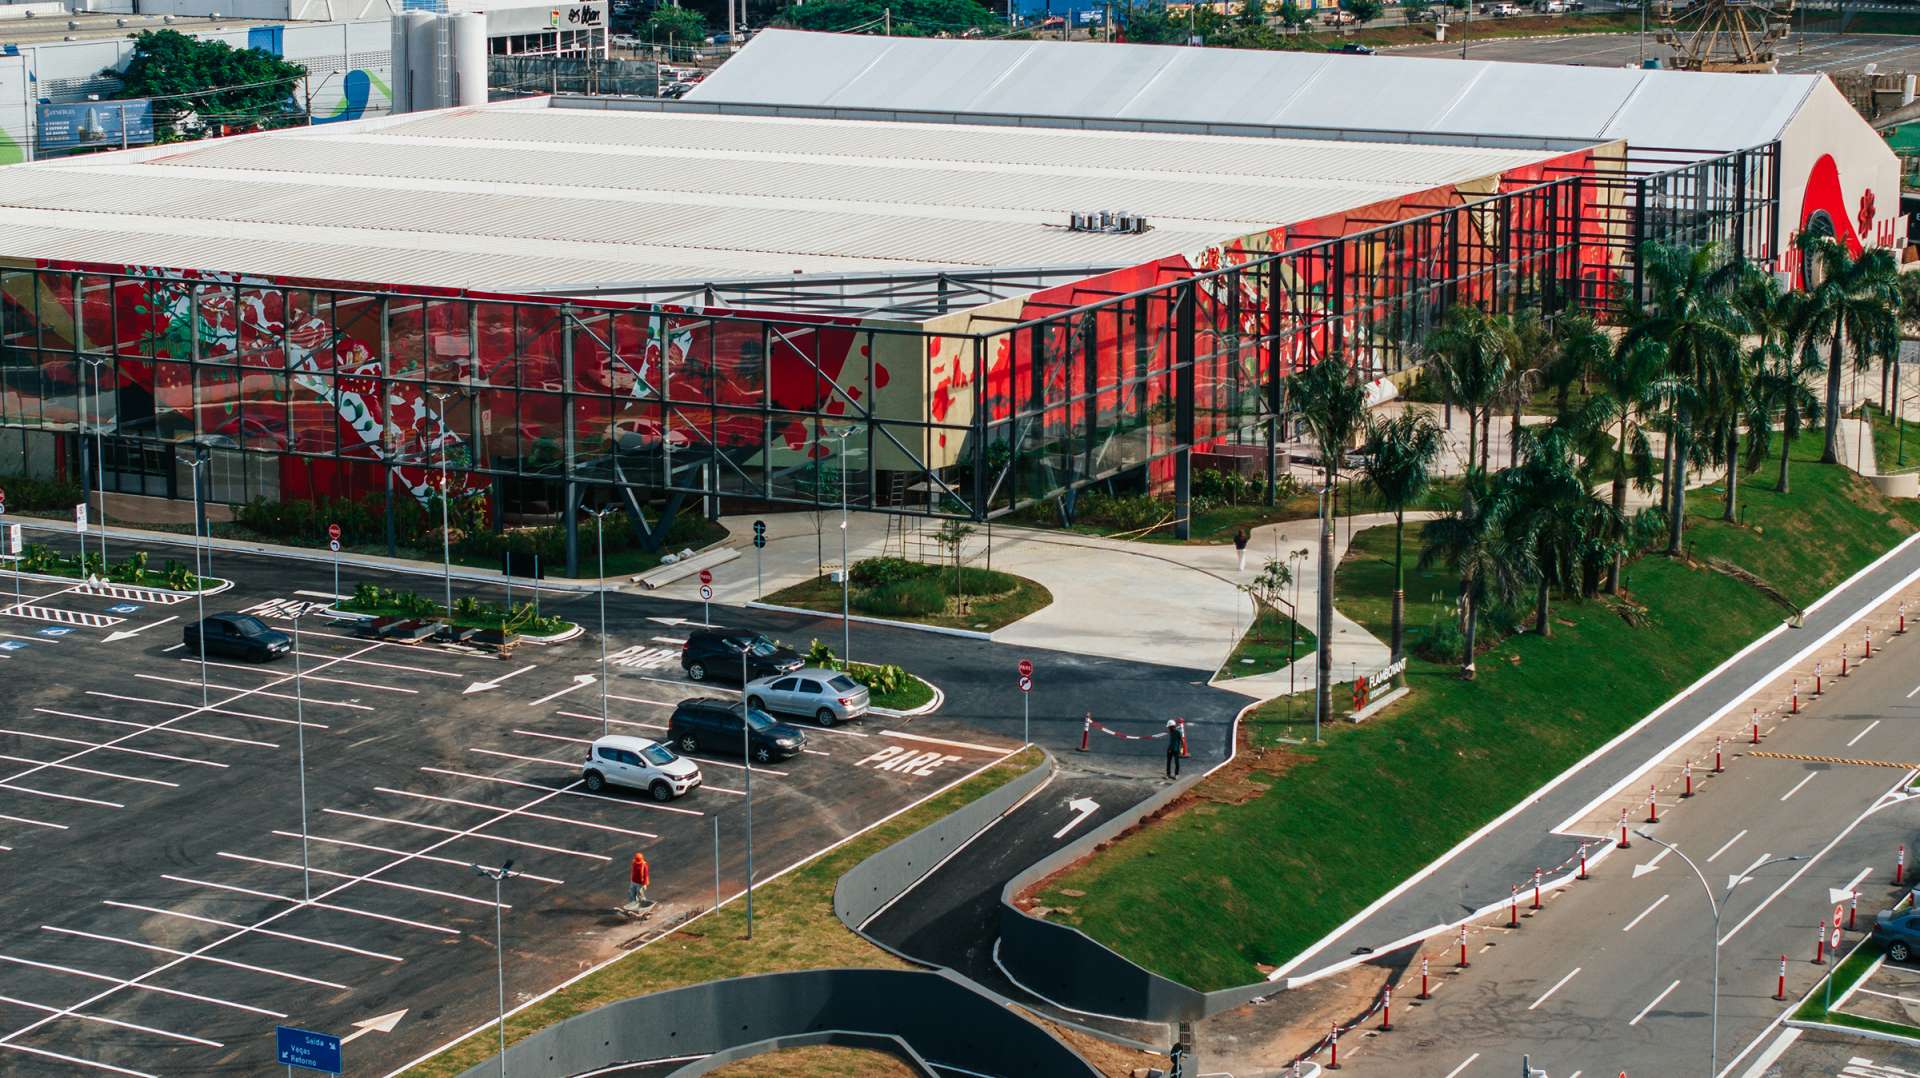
(1801, 53)
(1615, 974)
(155, 918)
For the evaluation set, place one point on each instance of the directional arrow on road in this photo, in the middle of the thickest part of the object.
(483, 686)
(674, 621)
(1082, 807)
(382, 1024)
(1641, 870)
(579, 680)
(1838, 894)
(122, 634)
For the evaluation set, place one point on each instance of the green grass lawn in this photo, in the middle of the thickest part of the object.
(1889, 445)
(1340, 823)
(994, 601)
(1272, 643)
(794, 927)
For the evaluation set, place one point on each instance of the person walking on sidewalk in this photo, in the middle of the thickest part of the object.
(1240, 539)
(637, 879)
(1173, 748)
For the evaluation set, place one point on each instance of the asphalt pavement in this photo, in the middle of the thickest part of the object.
(1800, 53)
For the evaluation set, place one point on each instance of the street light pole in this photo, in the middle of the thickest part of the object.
(446, 541)
(1716, 906)
(300, 736)
(498, 876)
(746, 757)
(1322, 666)
(846, 570)
(600, 544)
(100, 453)
(199, 577)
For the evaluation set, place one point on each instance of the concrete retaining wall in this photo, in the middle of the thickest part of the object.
(1898, 485)
(885, 876)
(947, 1023)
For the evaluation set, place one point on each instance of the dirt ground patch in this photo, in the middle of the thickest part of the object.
(1110, 1059)
(1267, 1034)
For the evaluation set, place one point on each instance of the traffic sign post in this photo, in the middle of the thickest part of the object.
(3, 501)
(759, 545)
(307, 1049)
(1026, 701)
(333, 544)
(706, 602)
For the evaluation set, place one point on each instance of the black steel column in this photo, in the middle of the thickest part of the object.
(1183, 414)
(1274, 382)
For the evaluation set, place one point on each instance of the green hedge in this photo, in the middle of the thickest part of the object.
(27, 495)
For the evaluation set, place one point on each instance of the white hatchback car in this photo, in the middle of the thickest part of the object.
(635, 762)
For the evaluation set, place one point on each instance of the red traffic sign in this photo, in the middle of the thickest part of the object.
(1026, 684)
(333, 531)
(1026, 668)
(1837, 910)
(706, 576)
(705, 592)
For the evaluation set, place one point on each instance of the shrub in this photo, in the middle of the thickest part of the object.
(880, 680)
(25, 495)
(40, 558)
(910, 598)
(1442, 641)
(880, 572)
(979, 582)
(819, 654)
(180, 577)
(1127, 512)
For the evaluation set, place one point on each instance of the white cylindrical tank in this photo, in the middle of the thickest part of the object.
(425, 37)
(1906, 90)
(397, 53)
(470, 57)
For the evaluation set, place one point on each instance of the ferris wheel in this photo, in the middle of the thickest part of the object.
(1723, 35)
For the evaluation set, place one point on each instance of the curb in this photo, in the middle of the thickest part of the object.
(928, 708)
(79, 582)
(1850, 1031)
(965, 634)
(559, 638)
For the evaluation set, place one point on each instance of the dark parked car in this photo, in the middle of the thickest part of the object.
(1353, 48)
(708, 724)
(715, 653)
(237, 636)
(1899, 933)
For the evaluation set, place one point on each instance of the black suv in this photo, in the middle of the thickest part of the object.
(238, 636)
(708, 724)
(715, 653)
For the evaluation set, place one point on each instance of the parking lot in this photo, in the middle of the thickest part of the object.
(160, 920)
(1800, 54)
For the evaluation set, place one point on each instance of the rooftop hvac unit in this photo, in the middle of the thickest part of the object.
(1107, 221)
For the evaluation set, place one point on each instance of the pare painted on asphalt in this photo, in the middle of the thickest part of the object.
(907, 761)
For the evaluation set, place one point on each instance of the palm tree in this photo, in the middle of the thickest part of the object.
(1575, 348)
(1471, 540)
(1782, 387)
(1849, 307)
(1472, 350)
(1333, 405)
(1691, 310)
(1559, 521)
(1400, 455)
(1632, 383)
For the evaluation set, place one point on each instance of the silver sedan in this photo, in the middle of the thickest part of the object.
(826, 696)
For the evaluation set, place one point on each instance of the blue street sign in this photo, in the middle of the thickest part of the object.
(123, 608)
(759, 539)
(54, 630)
(305, 1048)
(12, 645)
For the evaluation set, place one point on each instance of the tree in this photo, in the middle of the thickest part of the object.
(198, 86)
(1472, 351)
(1364, 10)
(953, 535)
(1268, 590)
(1252, 13)
(1292, 15)
(1471, 540)
(1850, 307)
(1334, 407)
(667, 25)
(1400, 456)
(1412, 10)
(1632, 386)
(909, 18)
(1691, 311)
(1575, 346)
(1559, 522)
(1782, 386)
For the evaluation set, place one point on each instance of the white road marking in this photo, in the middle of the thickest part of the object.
(61, 797)
(1855, 882)
(1864, 732)
(572, 793)
(640, 700)
(461, 865)
(1797, 785)
(90, 771)
(613, 721)
(157, 911)
(939, 741)
(1468, 1062)
(350, 876)
(175, 647)
(63, 616)
(315, 903)
(1763, 1063)
(156, 728)
(459, 832)
(34, 823)
(74, 1059)
(530, 815)
(135, 984)
(111, 1022)
(1729, 842)
(1561, 983)
(310, 677)
(576, 686)
(262, 691)
(1655, 1003)
(400, 666)
(1888, 995)
(149, 753)
(1643, 913)
(202, 957)
(576, 764)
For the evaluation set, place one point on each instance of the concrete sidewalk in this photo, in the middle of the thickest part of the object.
(1541, 830)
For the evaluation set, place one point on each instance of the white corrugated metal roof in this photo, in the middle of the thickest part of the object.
(1438, 96)
(513, 196)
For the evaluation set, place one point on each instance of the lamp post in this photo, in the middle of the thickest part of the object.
(600, 545)
(300, 736)
(1293, 633)
(199, 579)
(846, 570)
(1322, 666)
(499, 876)
(446, 542)
(100, 452)
(746, 758)
(1716, 906)
(1899, 408)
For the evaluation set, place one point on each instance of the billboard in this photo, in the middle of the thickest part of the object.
(93, 124)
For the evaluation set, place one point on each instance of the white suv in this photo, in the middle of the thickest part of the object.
(635, 762)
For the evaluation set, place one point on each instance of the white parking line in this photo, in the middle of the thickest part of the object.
(533, 815)
(1643, 913)
(148, 987)
(89, 771)
(350, 949)
(61, 797)
(643, 700)
(34, 823)
(702, 760)
(202, 957)
(208, 710)
(1797, 785)
(309, 902)
(403, 666)
(74, 1059)
(350, 876)
(1864, 732)
(571, 793)
(111, 1022)
(1729, 842)
(1561, 983)
(310, 701)
(1652, 1005)
(457, 831)
(615, 722)
(461, 865)
(940, 741)
(576, 686)
(155, 728)
(575, 764)
(311, 677)
(1468, 1062)
(149, 753)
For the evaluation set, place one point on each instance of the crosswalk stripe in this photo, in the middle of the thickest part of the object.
(61, 616)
